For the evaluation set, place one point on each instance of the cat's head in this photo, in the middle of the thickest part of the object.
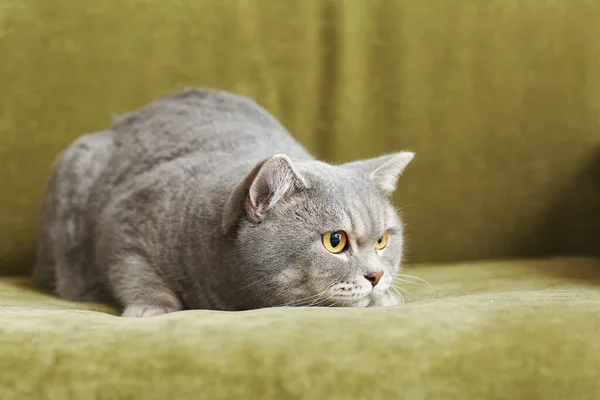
(309, 233)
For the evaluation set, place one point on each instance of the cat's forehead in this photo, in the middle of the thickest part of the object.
(344, 200)
(325, 176)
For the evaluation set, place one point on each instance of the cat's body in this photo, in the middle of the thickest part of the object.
(184, 204)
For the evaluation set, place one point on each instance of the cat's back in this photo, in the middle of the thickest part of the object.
(202, 120)
(198, 124)
(200, 138)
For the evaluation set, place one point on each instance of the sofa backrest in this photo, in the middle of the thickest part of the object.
(500, 100)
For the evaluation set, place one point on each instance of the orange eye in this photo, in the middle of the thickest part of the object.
(382, 242)
(335, 242)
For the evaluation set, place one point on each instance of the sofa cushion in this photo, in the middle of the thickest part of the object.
(521, 329)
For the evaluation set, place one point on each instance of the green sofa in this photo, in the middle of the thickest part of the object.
(500, 100)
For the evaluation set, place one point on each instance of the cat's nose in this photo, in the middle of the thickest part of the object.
(374, 277)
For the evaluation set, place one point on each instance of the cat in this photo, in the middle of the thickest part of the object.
(203, 200)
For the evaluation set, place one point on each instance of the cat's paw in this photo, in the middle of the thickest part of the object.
(146, 310)
(386, 299)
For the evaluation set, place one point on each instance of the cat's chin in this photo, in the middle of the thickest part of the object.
(385, 299)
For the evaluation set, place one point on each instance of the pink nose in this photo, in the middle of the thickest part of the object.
(374, 277)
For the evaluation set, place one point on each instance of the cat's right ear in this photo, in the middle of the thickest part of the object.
(271, 182)
(384, 170)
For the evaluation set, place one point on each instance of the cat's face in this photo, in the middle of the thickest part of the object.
(329, 238)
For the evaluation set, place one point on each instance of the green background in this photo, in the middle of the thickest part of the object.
(499, 99)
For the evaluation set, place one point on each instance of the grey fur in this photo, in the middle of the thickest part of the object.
(203, 200)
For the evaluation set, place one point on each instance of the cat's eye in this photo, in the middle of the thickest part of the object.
(382, 242)
(335, 241)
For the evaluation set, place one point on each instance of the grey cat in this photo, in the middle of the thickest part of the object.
(203, 200)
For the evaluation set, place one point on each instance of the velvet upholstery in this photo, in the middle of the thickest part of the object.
(500, 100)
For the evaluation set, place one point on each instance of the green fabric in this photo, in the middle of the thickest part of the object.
(496, 330)
(500, 100)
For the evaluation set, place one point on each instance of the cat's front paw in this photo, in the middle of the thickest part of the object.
(146, 310)
(386, 299)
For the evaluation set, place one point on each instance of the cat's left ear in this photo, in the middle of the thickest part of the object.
(276, 181)
(271, 182)
(385, 170)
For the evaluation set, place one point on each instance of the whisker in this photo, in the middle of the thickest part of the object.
(419, 279)
(308, 298)
(398, 209)
(410, 282)
(345, 303)
(318, 300)
(318, 303)
(399, 294)
(403, 290)
(299, 301)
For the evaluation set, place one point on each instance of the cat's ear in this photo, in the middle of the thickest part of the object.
(271, 182)
(385, 170)
(276, 181)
